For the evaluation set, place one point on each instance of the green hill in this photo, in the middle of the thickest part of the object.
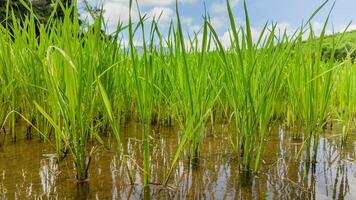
(346, 46)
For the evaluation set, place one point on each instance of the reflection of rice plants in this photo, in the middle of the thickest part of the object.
(49, 171)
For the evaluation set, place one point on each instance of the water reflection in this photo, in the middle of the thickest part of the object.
(28, 172)
(48, 174)
(3, 189)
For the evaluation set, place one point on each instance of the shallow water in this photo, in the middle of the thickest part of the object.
(28, 170)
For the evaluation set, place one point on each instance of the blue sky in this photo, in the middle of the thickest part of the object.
(289, 14)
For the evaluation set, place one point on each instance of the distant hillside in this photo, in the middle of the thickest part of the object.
(349, 38)
(347, 44)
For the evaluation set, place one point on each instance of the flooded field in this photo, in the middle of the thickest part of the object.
(29, 170)
(85, 111)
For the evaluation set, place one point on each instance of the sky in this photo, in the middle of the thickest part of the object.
(288, 14)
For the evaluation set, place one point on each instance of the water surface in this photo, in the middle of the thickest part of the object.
(29, 170)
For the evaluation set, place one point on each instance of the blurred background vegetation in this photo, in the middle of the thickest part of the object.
(42, 8)
(344, 48)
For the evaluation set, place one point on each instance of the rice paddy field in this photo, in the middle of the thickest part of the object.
(84, 115)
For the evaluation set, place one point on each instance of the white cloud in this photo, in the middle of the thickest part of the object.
(186, 20)
(225, 39)
(164, 14)
(256, 33)
(284, 27)
(220, 6)
(194, 28)
(352, 27)
(115, 11)
(189, 22)
(317, 26)
(118, 11)
(124, 42)
(342, 28)
(218, 22)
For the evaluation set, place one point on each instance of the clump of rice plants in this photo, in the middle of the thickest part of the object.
(345, 98)
(195, 86)
(8, 74)
(143, 74)
(252, 81)
(194, 82)
(311, 82)
(72, 95)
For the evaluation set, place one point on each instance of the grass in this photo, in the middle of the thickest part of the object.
(77, 85)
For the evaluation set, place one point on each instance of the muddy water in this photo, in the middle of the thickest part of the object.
(28, 170)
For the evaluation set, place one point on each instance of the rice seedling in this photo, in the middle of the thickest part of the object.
(197, 93)
(312, 82)
(345, 97)
(193, 81)
(69, 75)
(252, 79)
(144, 90)
(8, 83)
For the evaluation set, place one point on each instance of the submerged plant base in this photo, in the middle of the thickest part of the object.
(146, 193)
(194, 162)
(83, 181)
(83, 191)
(246, 178)
(297, 140)
(2, 139)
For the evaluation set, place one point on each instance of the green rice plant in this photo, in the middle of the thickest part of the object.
(2, 115)
(114, 79)
(72, 97)
(345, 97)
(312, 80)
(193, 81)
(20, 65)
(294, 78)
(252, 83)
(5, 75)
(163, 109)
(8, 76)
(196, 90)
(166, 86)
(142, 74)
(114, 122)
(28, 67)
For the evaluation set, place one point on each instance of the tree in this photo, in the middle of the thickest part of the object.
(41, 8)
